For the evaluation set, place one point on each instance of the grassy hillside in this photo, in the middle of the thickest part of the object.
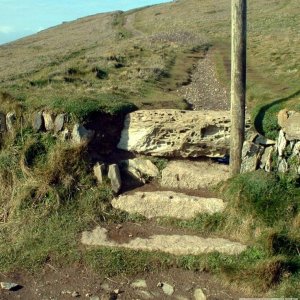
(141, 56)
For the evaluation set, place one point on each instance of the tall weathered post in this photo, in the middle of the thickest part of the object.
(238, 82)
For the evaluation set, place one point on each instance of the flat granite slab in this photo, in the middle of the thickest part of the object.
(173, 244)
(167, 204)
(193, 175)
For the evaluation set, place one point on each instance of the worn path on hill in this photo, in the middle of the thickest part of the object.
(205, 92)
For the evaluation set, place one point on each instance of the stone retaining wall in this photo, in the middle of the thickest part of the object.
(281, 155)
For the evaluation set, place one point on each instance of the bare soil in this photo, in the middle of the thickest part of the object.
(125, 232)
(59, 284)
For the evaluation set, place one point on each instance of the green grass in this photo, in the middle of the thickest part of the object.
(268, 197)
(51, 234)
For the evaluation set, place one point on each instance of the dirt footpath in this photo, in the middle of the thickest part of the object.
(78, 282)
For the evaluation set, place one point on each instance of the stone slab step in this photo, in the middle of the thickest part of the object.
(167, 204)
(193, 175)
(173, 244)
(176, 133)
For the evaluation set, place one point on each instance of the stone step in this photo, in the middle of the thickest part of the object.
(172, 244)
(167, 204)
(193, 175)
(177, 133)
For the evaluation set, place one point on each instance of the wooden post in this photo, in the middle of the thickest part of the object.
(238, 82)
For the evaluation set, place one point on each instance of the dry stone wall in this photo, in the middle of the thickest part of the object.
(282, 155)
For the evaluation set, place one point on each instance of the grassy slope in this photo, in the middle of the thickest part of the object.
(60, 64)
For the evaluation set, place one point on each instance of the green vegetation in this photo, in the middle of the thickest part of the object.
(49, 198)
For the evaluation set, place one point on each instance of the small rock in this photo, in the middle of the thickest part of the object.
(281, 143)
(168, 289)
(139, 283)
(81, 135)
(160, 284)
(59, 122)
(65, 135)
(266, 159)
(99, 172)
(282, 165)
(9, 286)
(199, 295)
(37, 122)
(11, 120)
(115, 177)
(261, 140)
(48, 120)
(3, 127)
(140, 168)
(75, 295)
(117, 291)
(94, 298)
(250, 154)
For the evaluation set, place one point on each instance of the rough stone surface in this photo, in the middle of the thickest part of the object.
(250, 156)
(99, 170)
(65, 135)
(59, 123)
(282, 117)
(140, 168)
(177, 133)
(281, 143)
(261, 140)
(168, 289)
(167, 204)
(37, 122)
(292, 127)
(115, 177)
(8, 286)
(266, 159)
(199, 295)
(296, 149)
(282, 165)
(81, 135)
(193, 175)
(3, 127)
(48, 120)
(139, 283)
(173, 244)
(11, 119)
